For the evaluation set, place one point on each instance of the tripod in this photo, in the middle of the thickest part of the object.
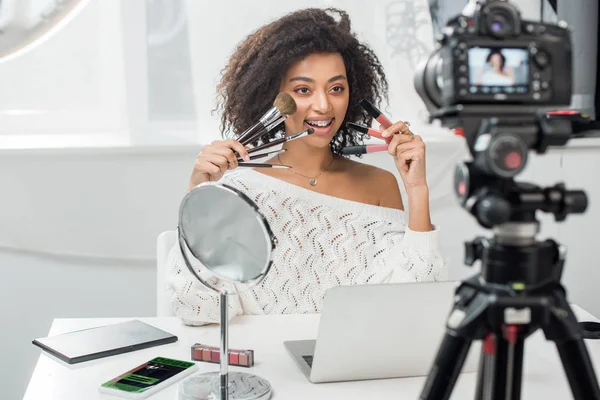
(517, 291)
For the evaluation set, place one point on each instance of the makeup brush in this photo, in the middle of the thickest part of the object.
(276, 142)
(262, 165)
(261, 155)
(275, 123)
(283, 106)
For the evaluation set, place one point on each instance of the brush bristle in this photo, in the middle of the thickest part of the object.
(310, 131)
(285, 104)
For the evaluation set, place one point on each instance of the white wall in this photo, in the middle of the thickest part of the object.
(79, 225)
(86, 203)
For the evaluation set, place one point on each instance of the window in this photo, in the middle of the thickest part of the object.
(70, 85)
(145, 71)
(117, 74)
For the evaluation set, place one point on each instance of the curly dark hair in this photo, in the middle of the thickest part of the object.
(251, 79)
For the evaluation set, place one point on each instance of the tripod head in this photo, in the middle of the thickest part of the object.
(485, 187)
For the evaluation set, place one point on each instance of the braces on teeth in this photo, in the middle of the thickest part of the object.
(318, 123)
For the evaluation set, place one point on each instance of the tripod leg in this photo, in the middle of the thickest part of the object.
(501, 367)
(446, 367)
(466, 323)
(579, 370)
(514, 366)
(564, 330)
(487, 373)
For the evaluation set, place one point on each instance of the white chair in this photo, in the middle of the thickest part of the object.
(165, 242)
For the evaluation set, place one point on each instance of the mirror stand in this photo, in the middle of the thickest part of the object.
(226, 233)
(223, 385)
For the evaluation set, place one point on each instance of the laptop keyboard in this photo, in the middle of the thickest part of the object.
(309, 360)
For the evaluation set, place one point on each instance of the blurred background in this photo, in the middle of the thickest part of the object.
(101, 121)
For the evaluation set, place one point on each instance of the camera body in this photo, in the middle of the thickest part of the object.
(491, 75)
(495, 57)
(541, 73)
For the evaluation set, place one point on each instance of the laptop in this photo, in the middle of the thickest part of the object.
(379, 331)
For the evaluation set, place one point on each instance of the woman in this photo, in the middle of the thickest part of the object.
(348, 226)
(496, 74)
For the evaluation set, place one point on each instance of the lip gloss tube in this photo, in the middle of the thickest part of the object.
(364, 149)
(368, 131)
(375, 113)
(212, 354)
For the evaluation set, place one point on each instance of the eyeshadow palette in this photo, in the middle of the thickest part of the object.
(211, 354)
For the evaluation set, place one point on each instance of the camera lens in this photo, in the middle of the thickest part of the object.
(428, 80)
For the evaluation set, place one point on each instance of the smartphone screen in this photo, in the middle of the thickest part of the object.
(148, 375)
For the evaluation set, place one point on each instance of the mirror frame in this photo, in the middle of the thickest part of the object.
(272, 242)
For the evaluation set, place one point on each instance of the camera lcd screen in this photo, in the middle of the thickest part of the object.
(498, 70)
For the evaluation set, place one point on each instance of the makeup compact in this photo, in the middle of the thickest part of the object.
(211, 354)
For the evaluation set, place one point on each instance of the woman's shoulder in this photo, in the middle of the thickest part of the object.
(379, 184)
(372, 178)
(374, 174)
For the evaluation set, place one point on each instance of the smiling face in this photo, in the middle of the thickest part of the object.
(319, 85)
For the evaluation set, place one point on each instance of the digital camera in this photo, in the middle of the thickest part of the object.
(494, 57)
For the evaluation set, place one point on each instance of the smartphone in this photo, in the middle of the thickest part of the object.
(148, 378)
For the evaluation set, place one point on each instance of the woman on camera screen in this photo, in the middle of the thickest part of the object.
(496, 72)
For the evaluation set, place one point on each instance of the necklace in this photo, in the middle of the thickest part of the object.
(311, 180)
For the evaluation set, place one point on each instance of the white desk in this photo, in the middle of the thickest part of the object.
(52, 379)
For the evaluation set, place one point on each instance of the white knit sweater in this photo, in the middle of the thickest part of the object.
(322, 241)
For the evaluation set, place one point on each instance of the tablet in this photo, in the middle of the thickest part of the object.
(104, 341)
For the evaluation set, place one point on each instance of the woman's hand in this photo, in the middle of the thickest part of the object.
(409, 154)
(215, 159)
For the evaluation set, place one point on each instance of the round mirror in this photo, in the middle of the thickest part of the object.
(224, 230)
